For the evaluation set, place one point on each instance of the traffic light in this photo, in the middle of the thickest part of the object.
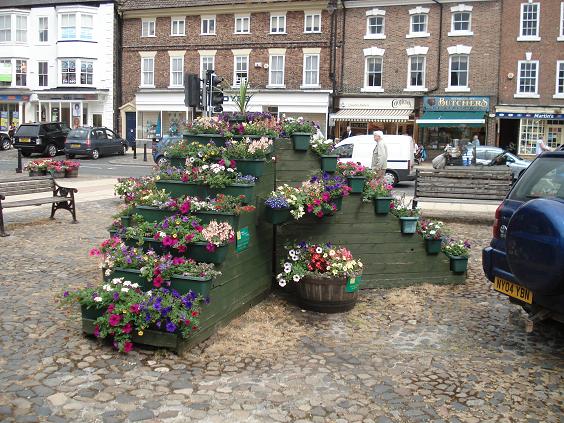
(192, 94)
(216, 93)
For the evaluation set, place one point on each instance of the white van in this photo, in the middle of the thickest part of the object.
(401, 150)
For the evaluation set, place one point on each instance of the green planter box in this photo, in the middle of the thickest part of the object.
(154, 214)
(198, 251)
(329, 163)
(241, 137)
(300, 140)
(131, 275)
(458, 264)
(217, 139)
(179, 162)
(208, 216)
(125, 220)
(433, 246)
(235, 190)
(91, 312)
(382, 205)
(148, 243)
(338, 203)
(250, 167)
(184, 284)
(277, 216)
(409, 224)
(356, 183)
(179, 188)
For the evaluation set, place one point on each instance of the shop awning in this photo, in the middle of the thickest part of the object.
(371, 115)
(451, 119)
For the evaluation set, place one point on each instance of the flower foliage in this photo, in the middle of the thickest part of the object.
(197, 153)
(292, 125)
(353, 169)
(376, 188)
(320, 260)
(216, 175)
(159, 270)
(456, 248)
(431, 229)
(400, 207)
(248, 148)
(131, 189)
(321, 145)
(208, 125)
(216, 234)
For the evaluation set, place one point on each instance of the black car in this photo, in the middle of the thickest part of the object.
(94, 142)
(42, 138)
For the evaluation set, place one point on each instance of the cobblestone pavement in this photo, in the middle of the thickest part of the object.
(428, 353)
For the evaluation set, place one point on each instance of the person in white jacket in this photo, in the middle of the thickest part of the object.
(379, 155)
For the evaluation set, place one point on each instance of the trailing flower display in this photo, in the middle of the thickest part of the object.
(431, 229)
(376, 188)
(208, 125)
(352, 169)
(176, 232)
(321, 145)
(131, 189)
(456, 248)
(216, 175)
(248, 148)
(159, 270)
(114, 253)
(291, 126)
(196, 153)
(220, 203)
(320, 260)
(37, 165)
(216, 234)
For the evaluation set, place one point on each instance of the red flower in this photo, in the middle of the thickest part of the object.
(189, 237)
(127, 346)
(134, 308)
(194, 313)
(114, 319)
(185, 207)
(319, 214)
(111, 308)
(178, 260)
(158, 281)
(127, 328)
(96, 331)
(181, 248)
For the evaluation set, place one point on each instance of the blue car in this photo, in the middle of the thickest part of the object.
(159, 145)
(525, 259)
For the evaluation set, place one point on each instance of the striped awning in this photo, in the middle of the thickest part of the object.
(371, 115)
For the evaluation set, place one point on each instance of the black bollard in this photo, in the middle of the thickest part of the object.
(145, 152)
(135, 150)
(19, 168)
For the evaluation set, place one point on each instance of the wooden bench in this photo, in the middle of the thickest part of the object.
(61, 198)
(462, 185)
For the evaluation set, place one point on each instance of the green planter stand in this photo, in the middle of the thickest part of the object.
(356, 183)
(382, 205)
(198, 251)
(250, 167)
(179, 188)
(277, 216)
(217, 139)
(433, 246)
(300, 141)
(329, 163)
(458, 264)
(408, 224)
(235, 190)
(154, 214)
(207, 216)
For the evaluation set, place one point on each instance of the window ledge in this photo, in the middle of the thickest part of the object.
(312, 32)
(274, 87)
(175, 87)
(310, 87)
(526, 95)
(460, 33)
(242, 33)
(528, 38)
(418, 35)
(146, 86)
(375, 37)
(416, 89)
(372, 90)
(145, 36)
(457, 90)
(561, 38)
(178, 35)
(558, 96)
(207, 34)
(278, 33)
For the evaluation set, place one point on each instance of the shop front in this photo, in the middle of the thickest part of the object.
(522, 126)
(365, 115)
(158, 113)
(12, 110)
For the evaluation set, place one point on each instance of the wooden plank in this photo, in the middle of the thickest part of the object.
(34, 202)
(425, 199)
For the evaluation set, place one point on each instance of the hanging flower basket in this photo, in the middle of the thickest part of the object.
(408, 224)
(382, 205)
(329, 163)
(356, 183)
(458, 264)
(300, 141)
(326, 295)
(433, 246)
(217, 139)
(253, 167)
(277, 216)
(180, 189)
(199, 251)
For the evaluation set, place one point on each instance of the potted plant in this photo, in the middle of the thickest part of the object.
(333, 184)
(159, 205)
(323, 147)
(222, 208)
(37, 167)
(457, 251)
(356, 175)
(432, 233)
(178, 153)
(119, 260)
(327, 276)
(407, 215)
(244, 98)
(277, 209)
(181, 182)
(56, 169)
(249, 155)
(176, 233)
(131, 189)
(140, 233)
(71, 168)
(300, 131)
(380, 193)
(211, 244)
(207, 129)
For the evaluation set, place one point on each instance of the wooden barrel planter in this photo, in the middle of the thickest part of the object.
(326, 295)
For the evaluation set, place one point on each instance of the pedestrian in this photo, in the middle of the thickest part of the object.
(475, 141)
(348, 133)
(11, 130)
(379, 155)
(541, 146)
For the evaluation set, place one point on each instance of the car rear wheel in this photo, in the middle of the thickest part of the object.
(95, 154)
(51, 150)
(6, 143)
(391, 178)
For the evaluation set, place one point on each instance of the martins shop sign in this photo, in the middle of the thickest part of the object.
(456, 104)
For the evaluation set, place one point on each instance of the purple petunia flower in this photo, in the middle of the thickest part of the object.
(116, 296)
(170, 327)
(66, 294)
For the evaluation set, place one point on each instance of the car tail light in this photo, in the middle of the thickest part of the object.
(497, 222)
(88, 140)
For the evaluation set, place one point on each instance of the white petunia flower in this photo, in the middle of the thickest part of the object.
(282, 283)
(98, 299)
(126, 283)
(124, 289)
(135, 285)
(319, 250)
(296, 278)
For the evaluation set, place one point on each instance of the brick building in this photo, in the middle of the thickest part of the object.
(531, 76)
(283, 48)
(420, 67)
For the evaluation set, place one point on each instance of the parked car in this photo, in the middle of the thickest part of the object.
(94, 142)
(514, 162)
(5, 140)
(159, 145)
(401, 151)
(484, 154)
(42, 138)
(525, 259)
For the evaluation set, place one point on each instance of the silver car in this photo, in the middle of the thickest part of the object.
(515, 163)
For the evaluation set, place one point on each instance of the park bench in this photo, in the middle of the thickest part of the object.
(462, 185)
(61, 198)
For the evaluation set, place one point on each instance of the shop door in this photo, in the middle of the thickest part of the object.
(554, 136)
(66, 115)
(130, 125)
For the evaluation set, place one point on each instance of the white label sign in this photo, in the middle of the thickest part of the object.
(402, 103)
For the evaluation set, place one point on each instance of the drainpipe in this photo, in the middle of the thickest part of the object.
(438, 83)
(332, 8)
(118, 55)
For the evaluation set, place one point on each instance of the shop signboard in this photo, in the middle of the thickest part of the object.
(5, 72)
(360, 103)
(547, 116)
(456, 104)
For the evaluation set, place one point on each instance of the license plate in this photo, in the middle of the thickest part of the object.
(513, 290)
(25, 140)
(75, 145)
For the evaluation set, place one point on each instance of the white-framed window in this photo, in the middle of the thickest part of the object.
(458, 71)
(5, 28)
(312, 21)
(559, 92)
(177, 26)
(43, 29)
(148, 27)
(311, 70)
(530, 131)
(277, 24)
(461, 21)
(176, 71)
(206, 63)
(561, 33)
(375, 27)
(416, 76)
(21, 73)
(68, 72)
(240, 70)
(242, 24)
(527, 78)
(148, 69)
(276, 70)
(373, 72)
(529, 22)
(68, 26)
(86, 26)
(21, 28)
(418, 24)
(86, 72)
(207, 25)
(42, 73)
